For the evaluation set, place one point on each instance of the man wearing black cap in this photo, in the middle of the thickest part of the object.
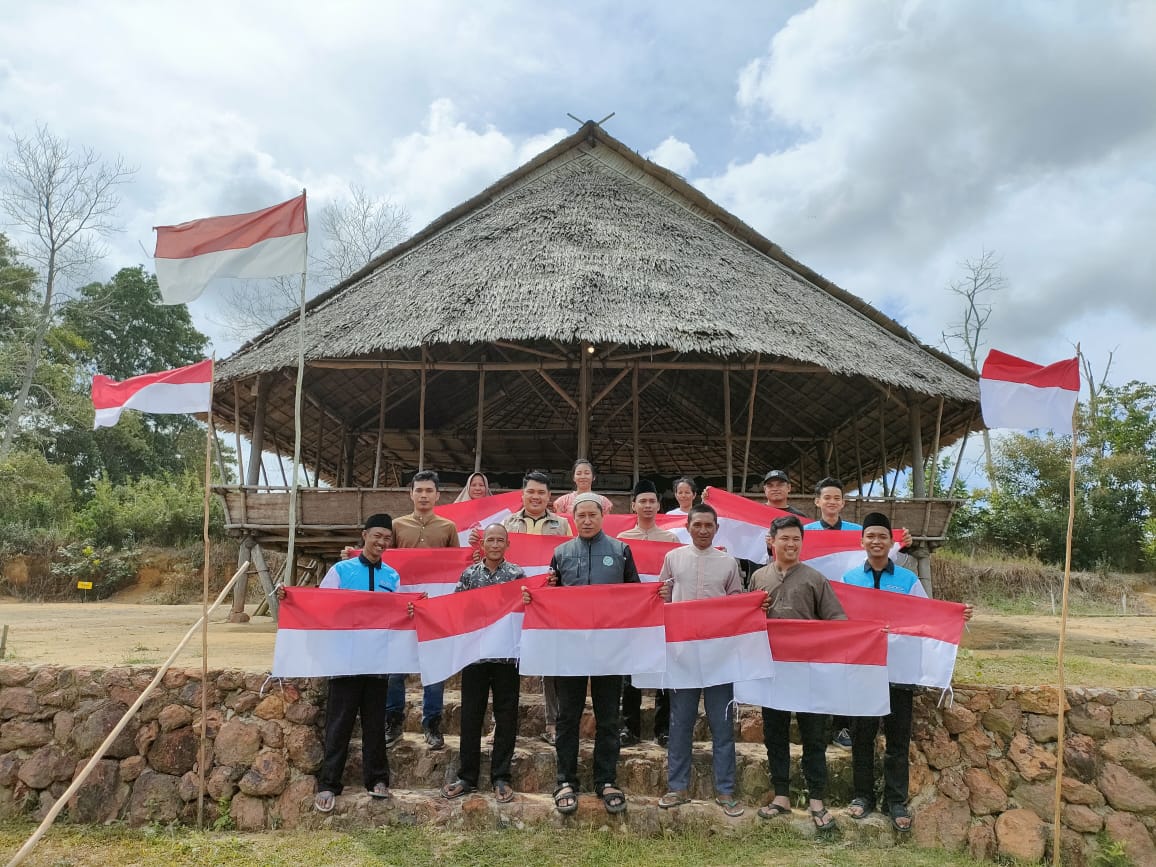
(880, 572)
(362, 694)
(776, 488)
(644, 503)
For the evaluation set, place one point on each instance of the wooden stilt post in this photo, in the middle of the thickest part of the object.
(421, 416)
(320, 446)
(918, 486)
(728, 433)
(858, 459)
(634, 397)
(237, 431)
(380, 428)
(481, 420)
(883, 446)
(935, 450)
(750, 424)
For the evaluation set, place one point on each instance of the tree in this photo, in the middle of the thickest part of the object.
(982, 278)
(63, 200)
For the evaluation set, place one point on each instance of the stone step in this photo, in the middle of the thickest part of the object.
(641, 769)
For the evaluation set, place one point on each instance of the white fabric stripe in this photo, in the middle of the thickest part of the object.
(445, 657)
(711, 661)
(1020, 406)
(821, 687)
(574, 652)
(741, 539)
(648, 578)
(834, 566)
(336, 652)
(183, 280)
(920, 661)
(434, 588)
(160, 397)
(496, 518)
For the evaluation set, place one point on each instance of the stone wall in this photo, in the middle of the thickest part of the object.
(982, 770)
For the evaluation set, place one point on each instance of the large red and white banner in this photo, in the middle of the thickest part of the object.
(480, 513)
(433, 571)
(649, 557)
(713, 641)
(330, 633)
(833, 552)
(599, 629)
(824, 666)
(614, 525)
(266, 243)
(459, 629)
(742, 524)
(186, 389)
(923, 637)
(1020, 394)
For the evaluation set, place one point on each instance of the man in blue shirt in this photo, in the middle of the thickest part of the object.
(829, 499)
(880, 572)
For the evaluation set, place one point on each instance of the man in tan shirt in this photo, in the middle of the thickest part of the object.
(644, 504)
(797, 592)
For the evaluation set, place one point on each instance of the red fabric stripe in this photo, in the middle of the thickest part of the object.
(529, 550)
(470, 610)
(429, 565)
(820, 543)
(315, 608)
(234, 232)
(853, 642)
(107, 393)
(903, 614)
(740, 508)
(468, 513)
(649, 556)
(598, 606)
(1008, 368)
(721, 617)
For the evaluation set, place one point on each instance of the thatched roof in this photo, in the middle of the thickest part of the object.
(589, 243)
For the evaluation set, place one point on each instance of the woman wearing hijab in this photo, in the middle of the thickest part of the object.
(476, 487)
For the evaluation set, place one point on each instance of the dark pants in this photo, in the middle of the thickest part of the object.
(348, 697)
(432, 698)
(777, 739)
(632, 709)
(897, 739)
(478, 680)
(605, 694)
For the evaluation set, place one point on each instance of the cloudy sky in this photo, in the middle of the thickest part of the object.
(881, 143)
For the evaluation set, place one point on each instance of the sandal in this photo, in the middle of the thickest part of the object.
(503, 794)
(900, 818)
(773, 811)
(324, 802)
(550, 737)
(859, 808)
(380, 790)
(820, 825)
(566, 799)
(673, 799)
(730, 806)
(612, 797)
(456, 789)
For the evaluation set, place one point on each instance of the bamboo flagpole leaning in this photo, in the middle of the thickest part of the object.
(201, 751)
(291, 554)
(62, 801)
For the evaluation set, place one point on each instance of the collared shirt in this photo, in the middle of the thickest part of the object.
(677, 512)
(891, 577)
(598, 560)
(700, 573)
(433, 531)
(654, 534)
(479, 575)
(564, 505)
(800, 593)
(788, 508)
(360, 574)
(838, 525)
(547, 524)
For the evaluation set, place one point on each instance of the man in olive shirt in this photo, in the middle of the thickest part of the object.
(420, 529)
(796, 592)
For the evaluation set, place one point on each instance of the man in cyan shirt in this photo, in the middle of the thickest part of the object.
(829, 500)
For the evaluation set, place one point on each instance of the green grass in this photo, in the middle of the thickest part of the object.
(67, 846)
(1005, 668)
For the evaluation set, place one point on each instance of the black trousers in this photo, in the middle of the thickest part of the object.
(478, 681)
(605, 695)
(897, 740)
(349, 696)
(777, 739)
(632, 709)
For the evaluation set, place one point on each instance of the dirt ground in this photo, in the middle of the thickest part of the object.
(998, 648)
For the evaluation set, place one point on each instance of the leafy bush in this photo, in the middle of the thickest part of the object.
(33, 492)
(109, 569)
(161, 511)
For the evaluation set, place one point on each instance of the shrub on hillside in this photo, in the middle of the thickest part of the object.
(160, 511)
(109, 569)
(33, 492)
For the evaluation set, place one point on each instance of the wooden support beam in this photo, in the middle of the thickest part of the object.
(915, 431)
(237, 431)
(750, 423)
(421, 416)
(634, 421)
(481, 417)
(584, 402)
(380, 428)
(935, 450)
(573, 404)
(609, 388)
(257, 440)
(649, 382)
(729, 434)
(545, 364)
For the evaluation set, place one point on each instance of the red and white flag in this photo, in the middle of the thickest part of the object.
(457, 630)
(186, 389)
(824, 666)
(713, 641)
(742, 524)
(434, 571)
(924, 633)
(480, 513)
(833, 552)
(649, 556)
(1019, 394)
(532, 552)
(599, 629)
(266, 243)
(331, 633)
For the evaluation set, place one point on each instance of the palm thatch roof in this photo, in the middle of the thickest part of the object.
(591, 255)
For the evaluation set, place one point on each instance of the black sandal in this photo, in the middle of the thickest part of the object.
(612, 797)
(897, 813)
(566, 799)
(822, 827)
(456, 789)
(864, 807)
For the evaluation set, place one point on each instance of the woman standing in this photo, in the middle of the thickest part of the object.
(476, 487)
(583, 482)
(685, 490)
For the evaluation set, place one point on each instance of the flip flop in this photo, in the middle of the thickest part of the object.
(324, 802)
(456, 789)
(730, 805)
(821, 826)
(773, 811)
(862, 805)
(380, 791)
(899, 812)
(673, 799)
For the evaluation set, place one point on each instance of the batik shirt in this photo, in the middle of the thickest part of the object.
(478, 575)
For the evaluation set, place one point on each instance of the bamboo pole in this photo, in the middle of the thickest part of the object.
(481, 416)
(298, 394)
(935, 449)
(729, 436)
(634, 395)
(750, 424)
(584, 401)
(380, 428)
(237, 432)
(62, 801)
(205, 607)
(421, 415)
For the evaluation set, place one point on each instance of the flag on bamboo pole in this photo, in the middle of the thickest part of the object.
(266, 243)
(1023, 395)
(186, 389)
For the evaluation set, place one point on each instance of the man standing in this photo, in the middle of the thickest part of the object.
(776, 488)
(797, 592)
(590, 558)
(499, 676)
(701, 571)
(363, 694)
(881, 573)
(644, 503)
(420, 529)
(536, 518)
(830, 502)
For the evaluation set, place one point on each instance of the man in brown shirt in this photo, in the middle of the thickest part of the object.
(644, 504)
(797, 592)
(420, 529)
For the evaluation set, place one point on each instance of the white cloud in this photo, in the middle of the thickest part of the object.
(675, 155)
